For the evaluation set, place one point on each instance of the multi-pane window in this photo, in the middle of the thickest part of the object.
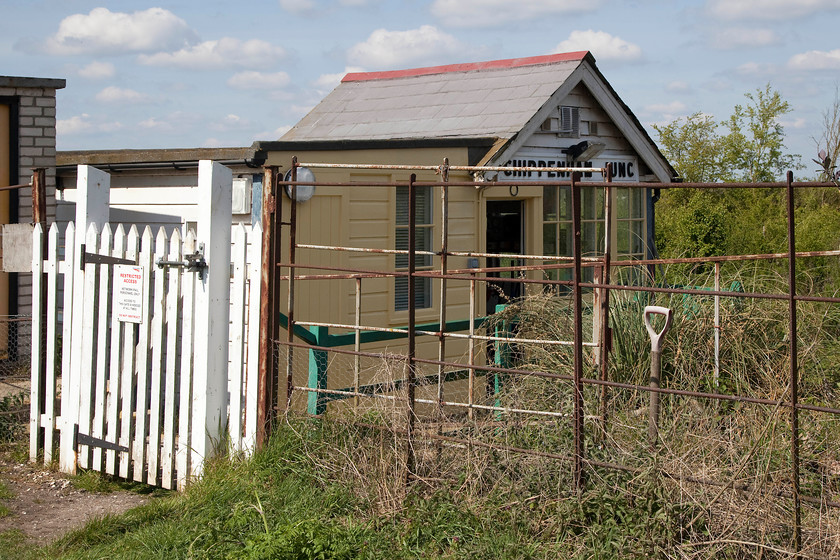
(630, 222)
(557, 226)
(423, 242)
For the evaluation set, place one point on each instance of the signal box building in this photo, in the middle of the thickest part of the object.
(550, 111)
(546, 111)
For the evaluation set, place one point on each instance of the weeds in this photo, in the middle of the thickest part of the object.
(716, 484)
(13, 414)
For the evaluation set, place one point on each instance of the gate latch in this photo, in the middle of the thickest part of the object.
(193, 262)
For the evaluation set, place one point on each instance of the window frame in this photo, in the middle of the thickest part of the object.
(424, 241)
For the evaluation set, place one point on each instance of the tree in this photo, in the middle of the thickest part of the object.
(693, 147)
(751, 150)
(754, 147)
(828, 145)
(749, 147)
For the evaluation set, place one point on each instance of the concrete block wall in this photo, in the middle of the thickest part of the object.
(34, 106)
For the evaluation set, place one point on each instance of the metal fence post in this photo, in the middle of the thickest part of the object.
(291, 292)
(604, 310)
(444, 247)
(794, 370)
(412, 372)
(578, 334)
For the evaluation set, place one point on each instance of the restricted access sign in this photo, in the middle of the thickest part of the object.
(128, 293)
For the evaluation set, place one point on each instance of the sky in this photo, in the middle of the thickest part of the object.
(184, 74)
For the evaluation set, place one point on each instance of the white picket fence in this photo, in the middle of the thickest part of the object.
(144, 400)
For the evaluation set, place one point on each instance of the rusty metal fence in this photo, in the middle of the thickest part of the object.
(562, 373)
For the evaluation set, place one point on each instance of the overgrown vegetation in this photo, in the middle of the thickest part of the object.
(716, 485)
(13, 412)
(700, 223)
(299, 498)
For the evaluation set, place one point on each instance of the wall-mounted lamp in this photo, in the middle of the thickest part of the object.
(584, 151)
(304, 191)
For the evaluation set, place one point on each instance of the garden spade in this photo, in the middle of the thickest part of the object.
(655, 365)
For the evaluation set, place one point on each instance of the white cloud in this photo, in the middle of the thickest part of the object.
(768, 9)
(230, 122)
(84, 124)
(672, 108)
(470, 13)
(330, 81)
(279, 132)
(395, 49)
(105, 32)
(816, 60)
(718, 84)
(74, 125)
(157, 125)
(797, 124)
(297, 6)
(226, 52)
(602, 45)
(756, 69)
(251, 79)
(112, 94)
(741, 37)
(272, 134)
(213, 143)
(678, 86)
(97, 70)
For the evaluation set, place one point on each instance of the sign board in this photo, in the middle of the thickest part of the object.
(128, 293)
(625, 168)
(17, 247)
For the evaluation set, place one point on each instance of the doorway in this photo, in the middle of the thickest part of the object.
(505, 228)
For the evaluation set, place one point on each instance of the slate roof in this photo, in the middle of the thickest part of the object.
(481, 100)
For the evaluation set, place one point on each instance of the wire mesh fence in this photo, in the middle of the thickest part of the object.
(15, 352)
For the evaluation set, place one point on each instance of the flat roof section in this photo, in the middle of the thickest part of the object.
(23, 82)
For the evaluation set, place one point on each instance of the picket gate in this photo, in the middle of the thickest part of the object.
(146, 394)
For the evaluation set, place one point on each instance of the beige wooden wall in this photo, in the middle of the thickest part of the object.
(364, 216)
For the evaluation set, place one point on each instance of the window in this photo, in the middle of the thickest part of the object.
(557, 226)
(569, 122)
(423, 242)
(565, 122)
(629, 225)
(630, 222)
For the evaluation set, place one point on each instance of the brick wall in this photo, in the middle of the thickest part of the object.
(34, 101)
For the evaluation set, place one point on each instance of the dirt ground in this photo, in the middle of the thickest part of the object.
(46, 505)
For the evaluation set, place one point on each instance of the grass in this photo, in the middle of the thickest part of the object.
(95, 481)
(283, 503)
(335, 487)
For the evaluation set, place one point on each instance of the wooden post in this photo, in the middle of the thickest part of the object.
(212, 311)
(39, 216)
(267, 374)
(317, 402)
(38, 327)
(93, 188)
(255, 340)
(39, 197)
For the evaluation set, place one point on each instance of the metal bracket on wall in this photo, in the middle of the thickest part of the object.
(90, 441)
(95, 258)
(193, 262)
